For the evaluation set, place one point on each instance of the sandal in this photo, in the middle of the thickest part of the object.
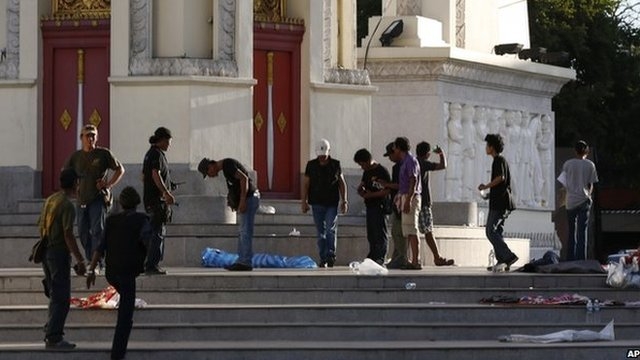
(443, 262)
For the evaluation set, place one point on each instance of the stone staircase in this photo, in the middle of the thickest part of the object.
(202, 313)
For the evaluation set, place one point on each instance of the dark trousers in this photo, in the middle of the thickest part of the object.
(377, 233)
(155, 251)
(494, 230)
(578, 227)
(57, 279)
(126, 287)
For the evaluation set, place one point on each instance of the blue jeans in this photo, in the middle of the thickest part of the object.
(377, 233)
(57, 278)
(494, 230)
(91, 219)
(326, 220)
(155, 250)
(245, 237)
(125, 284)
(578, 226)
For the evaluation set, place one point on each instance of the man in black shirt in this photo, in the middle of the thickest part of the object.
(425, 220)
(157, 196)
(324, 188)
(243, 197)
(377, 201)
(126, 237)
(500, 203)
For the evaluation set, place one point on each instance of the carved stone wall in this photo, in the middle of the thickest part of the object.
(141, 61)
(10, 56)
(528, 139)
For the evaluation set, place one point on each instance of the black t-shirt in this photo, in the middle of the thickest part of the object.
(154, 160)
(229, 168)
(124, 243)
(498, 195)
(425, 167)
(324, 182)
(369, 180)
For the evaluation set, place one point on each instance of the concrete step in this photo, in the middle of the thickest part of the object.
(322, 296)
(319, 350)
(318, 331)
(309, 313)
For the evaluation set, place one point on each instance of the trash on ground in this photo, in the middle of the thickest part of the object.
(606, 334)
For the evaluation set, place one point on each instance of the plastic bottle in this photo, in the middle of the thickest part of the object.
(589, 314)
(410, 286)
(596, 311)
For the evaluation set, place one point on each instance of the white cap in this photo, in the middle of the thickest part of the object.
(322, 147)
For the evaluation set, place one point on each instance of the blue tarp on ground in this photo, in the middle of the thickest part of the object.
(218, 259)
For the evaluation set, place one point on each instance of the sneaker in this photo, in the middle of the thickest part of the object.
(155, 271)
(330, 262)
(513, 260)
(443, 262)
(60, 345)
(238, 267)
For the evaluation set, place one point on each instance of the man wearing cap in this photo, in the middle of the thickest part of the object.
(243, 197)
(578, 176)
(324, 188)
(56, 223)
(157, 196)
(399, 256)
(126, 236)
(94, 194)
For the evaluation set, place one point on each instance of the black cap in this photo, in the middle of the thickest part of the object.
(389, 149)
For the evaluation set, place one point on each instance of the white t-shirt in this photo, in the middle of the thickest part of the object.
(576, 177)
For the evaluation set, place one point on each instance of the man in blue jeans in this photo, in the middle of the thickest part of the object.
(56, 223)
(578, 176)
(243, 197)
(94, 193)
(500, 203)
(324, 188)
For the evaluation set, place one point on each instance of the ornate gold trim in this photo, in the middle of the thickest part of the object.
(258, 121)
(274, 11)
(80, 9)
(95, 118)
(270, 68)
(282, 123)
(65, 119)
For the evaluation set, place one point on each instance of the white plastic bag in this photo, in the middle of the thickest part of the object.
(368, 267)
(606, 334)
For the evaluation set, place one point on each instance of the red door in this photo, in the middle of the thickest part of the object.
(76, 70)
(276, 110)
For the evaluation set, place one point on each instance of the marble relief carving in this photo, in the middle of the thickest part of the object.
(528, 141)
(10, 64)
(460, 23)
(141, 61)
